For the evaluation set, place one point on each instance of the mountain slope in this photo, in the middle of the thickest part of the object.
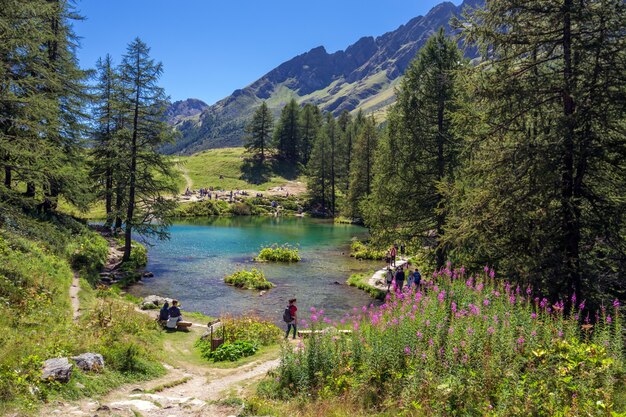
(361, 77)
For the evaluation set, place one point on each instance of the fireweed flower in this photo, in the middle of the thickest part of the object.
(533, 316)
(312, 310)
(528, 291)
(543, 303)
(560, 333)
(450, 330)
(470, 331)
(419, 334)
(407, 350)
(492, 274)
(533, 333)
(431, 342)
(453, 306)
(491, 330)
(520, 341)
(574, 299)
(616, 303)
(486, 269)
(480, 287)
(462, 270)
(486, 302)
(313, 318)
(609, 320)
(581, 306)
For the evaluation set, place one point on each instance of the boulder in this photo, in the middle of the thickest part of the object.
(89, 361)
(57, 369)
(148, 275)
(154, 301)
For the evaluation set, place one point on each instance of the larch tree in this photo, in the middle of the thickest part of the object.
(542, 193)
(287, 132)
(362, 166)
(419, 152)
(149, 173)
(310, 124)
(259, 133)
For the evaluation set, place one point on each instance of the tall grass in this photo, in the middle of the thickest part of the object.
(464, 345)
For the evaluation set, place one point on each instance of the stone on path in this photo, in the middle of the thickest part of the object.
(154, 301)
(57, 369)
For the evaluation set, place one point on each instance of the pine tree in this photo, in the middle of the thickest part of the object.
(419, 151)
(259, 133)
(320, 168)
(362, 166)
(148, 171)
(310, 124)
(542, 193)
(287, 132)
(345, 144)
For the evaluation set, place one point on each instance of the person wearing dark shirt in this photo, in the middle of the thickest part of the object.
(400, 278)
(164, 314)
(175, 311)
(292, 311)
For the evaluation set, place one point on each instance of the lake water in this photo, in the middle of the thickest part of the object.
(191, 266)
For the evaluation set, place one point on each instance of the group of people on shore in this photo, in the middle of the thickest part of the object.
(398, 274)
(211, 193)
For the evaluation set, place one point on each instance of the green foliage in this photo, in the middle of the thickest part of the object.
(202, 209)
(463, 345)
(34, 300)
(362, 250)
(231, 351)
(88, 252)
(243, 336)
(275, 253)
(287, 133)
(259, 130)
(251, 280)
(419, 153)
(138, 257)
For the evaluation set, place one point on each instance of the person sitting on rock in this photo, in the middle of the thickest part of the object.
(174, 315)
(164, 314)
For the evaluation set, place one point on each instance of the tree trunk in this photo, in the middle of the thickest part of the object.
(108, 198)
(440, 254)
(571, 224)
(133, 174)
(7, 177)
(30, 190)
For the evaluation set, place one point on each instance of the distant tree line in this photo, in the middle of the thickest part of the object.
(46, 123)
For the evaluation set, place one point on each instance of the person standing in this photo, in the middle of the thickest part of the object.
(290, 316)
(389, 277)
(402, 249)
(400, 278)
(417, 278)
(388, 259)
(409, 277)
(393, 252)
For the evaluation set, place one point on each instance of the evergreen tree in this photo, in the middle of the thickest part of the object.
(542, 194)
(320, 169)
(148, 171)
(345, 144)
(259, 130)
(362, 166)
(106, 152)
(287, 132)
(419, 152)
(310, 123)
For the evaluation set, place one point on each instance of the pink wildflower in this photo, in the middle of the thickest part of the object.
(616, 303)
(533, 333)
(492, 274)
(581, 306)
(486, 269)
(470, 331)
(453, 306)
(491, 330)
(419, 334)
(533, 316)
(431, 342)
(407, 350)
(313, 318)
(486, 302)
(312, 309)
(609, 320)
(520, 341)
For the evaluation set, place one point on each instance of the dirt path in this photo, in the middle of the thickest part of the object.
(185, 172)
(191, 388)
(197, 390)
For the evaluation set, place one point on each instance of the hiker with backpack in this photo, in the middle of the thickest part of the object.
(290, 317)
(393, 252)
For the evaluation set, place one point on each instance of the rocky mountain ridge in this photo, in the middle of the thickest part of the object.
(362, 76)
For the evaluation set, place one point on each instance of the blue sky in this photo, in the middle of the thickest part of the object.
(211, 47)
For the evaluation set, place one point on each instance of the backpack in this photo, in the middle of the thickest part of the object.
(287, 315)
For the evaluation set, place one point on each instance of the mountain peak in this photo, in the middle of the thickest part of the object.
(363, 76)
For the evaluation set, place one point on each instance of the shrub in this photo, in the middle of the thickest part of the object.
(471, 344)
(251, 280)
(275, 253)
(360, 250)
(88, 252)
(138, 257)
(231, 351)
(249, 329)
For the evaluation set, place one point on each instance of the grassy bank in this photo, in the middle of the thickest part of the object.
(361, 281)
(35, 276)
(242, 206)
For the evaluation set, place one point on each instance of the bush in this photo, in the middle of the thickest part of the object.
(249, 329)
(251, 280)
(88, 252)
(202, 209)
(275, 253)
(465, 345)
(138, 257)
(231, 351)
(360, 250)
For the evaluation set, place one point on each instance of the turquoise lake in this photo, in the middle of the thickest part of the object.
(191, 266)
